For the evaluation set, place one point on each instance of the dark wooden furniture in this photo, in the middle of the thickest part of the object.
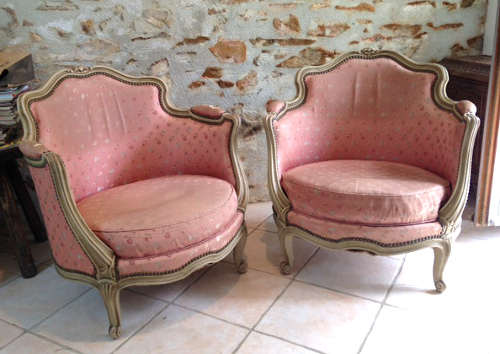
(12, 191)
(469, 77)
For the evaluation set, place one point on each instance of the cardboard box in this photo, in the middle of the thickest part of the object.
(16, 69)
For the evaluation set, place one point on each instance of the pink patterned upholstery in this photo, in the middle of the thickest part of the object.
(133, 190)
(385, 236)
(119, 133)
(66, 249)
(177, 260)
(370, 155)
(366, 192)
(371, 110)
(161, 215)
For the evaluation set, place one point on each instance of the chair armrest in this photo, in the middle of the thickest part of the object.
(31, 149)
(274, 106)
(73, 243)
(207, 111)
(466, 107)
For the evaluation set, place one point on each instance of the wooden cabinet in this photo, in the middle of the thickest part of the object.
(469, 77)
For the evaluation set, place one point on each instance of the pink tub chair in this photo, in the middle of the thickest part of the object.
(133, 190)
(371, 155)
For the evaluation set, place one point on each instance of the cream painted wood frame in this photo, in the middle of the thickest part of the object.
(102, 257)
(450, 215)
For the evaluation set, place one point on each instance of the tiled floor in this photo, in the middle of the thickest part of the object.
(332, 302)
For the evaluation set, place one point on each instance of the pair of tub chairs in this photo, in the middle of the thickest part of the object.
(370, 155)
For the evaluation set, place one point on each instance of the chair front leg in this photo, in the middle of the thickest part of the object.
(238, 255)
(441, 255)
(110, 293)
(287, 249)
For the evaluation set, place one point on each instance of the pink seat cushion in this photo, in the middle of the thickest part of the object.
(376, 193)
(161, 215)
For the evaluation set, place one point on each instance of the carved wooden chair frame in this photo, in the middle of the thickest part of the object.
(450, 215)
(101, 256)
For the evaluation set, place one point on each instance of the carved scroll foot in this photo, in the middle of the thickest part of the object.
(242, 267)
(440, 286)
(114, 331)
(285, 268)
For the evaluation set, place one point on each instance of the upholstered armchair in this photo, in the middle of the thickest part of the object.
(371, 155)
(133, 190)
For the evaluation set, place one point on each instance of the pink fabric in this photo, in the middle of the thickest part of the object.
(207, 111)
(67, 252)
(381, 235)
(176, 260)
(110, 133)
(371, 109)
(366, 192)
(466, 107)
(161, 215)
(31, 149)
(275, 106)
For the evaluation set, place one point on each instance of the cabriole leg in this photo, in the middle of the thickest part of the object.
(111, 296)
(441, 255)
(286, 247)
(238, 253)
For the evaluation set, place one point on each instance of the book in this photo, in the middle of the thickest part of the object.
(11, 93)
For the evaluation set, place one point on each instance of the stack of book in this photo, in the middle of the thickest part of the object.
(10, 126)
(16, 76)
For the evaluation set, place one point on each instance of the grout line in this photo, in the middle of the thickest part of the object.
(140, 328)
(290, 282)
(14, 339)
(39, 335)
(62, 306)
(382, 304)
(264, 313)
(64, 346)
(287, 341)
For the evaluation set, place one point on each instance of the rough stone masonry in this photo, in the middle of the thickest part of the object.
(236, 54)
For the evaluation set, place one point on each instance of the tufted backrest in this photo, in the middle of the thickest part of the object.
(111, 132)
(370, 109)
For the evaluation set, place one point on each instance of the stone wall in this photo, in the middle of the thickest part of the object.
(236, 54)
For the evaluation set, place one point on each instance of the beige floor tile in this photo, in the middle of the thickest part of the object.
(260, 343)
(256, 213)
(269, 225)
(168, 292)
(264, 253)
(414, 288)
(29, 343)
(26, 302)
(238, 298)
(179, 330)
(8, 332)
(83, 324)
(9, 269)
(355, 273)
(468, 275)
(320, 319)
(40, 251)
(401, 331)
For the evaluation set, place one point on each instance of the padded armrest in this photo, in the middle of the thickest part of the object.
(466, 107)
(32, 149)
(207, 111)
(275, 106)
